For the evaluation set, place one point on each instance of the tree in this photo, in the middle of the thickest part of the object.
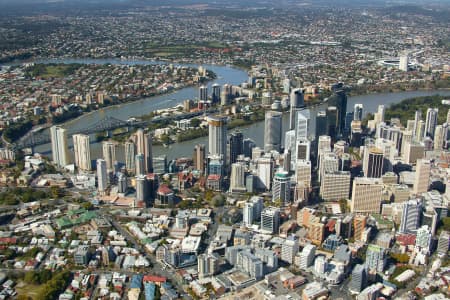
(195, 122)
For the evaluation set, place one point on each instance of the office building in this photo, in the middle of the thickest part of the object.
(358, 112)
(160, 164)
(270, 219)
(264, 170)
(303, 179)
(141, 188)
(359, 225)
(109, 154)
(281, 189)
(217, 138)
(130, 156)
(302, 125)
(423, 239)
(82, 255)
(60, 150)
(431, 122)
(82, 152)
(367, 194)
(303, 150)
(373, 162)
(102, 175)
(316, 231)
(122, 183)
(203, 93)
(248, 145)
(247, 214)
(359, 279)
(321, 124)
(438, 141)
(411, 213)
(215, 93)
(140, 165)
(289, 249)
(250, 264)
(297, 102)
(339, 101)
(208, 265)
(422, 178)
(272, 131)
(376, 258)
(328, 162)
(199, 157)
(235, 146)
(144, 146)
(237, 178)
(335, 185)
(443, 242)
(412, 152)
(307, 256)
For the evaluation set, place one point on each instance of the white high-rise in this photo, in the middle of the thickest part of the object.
(358, 112)
(289, 248)
(412, 211)
(130, 153)
(307, 256)
(102, 174)
(144, 147)
(109, 154)
(281, 189)
(438, 141)
(237, 178)
(82, 152)
(60, 150)
(247, 213)
(403, 63)
(217, 136)
(296, 99)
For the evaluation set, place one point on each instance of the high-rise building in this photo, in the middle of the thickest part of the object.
(302, 124)
(140, 164)
(412, 152)
(422, 179)
(270, 219)
(160, 164)
(264, 169)
(339, 100)
(237, 178)
(247, 214)
(303, 179)
(109, 154)
(411, 213)
(359, 225)
(102, 175)
(367, 194)
(82, 152)
(438, 141)
(359, 279)
(307, 256)
(303, 149)
(431, 122)
(144, 146)
(321, 124)
(199, 157)
(289, 248)
(141, 188)
(208, 264)
(203, 93)
(335, 185)
(403, 63)
(235, 143)
(130, 155)
(281, 189)
(296, 99)
(376, 258)
(328, 162)
(423, 238)
(373, 162)
(417, 118)
(218, 136)
(358, 112)
(443, 242)
(60, 150)
(122, 183)
(248, 145)
(273, 131)
(215, 93)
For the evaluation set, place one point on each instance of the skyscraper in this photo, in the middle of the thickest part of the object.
(273, 131)
(122, 183)
(102, 180)
(247, 214)
(339, 100)
(237, 178)
(235, 144)
(270, 219)
(412, 211)
(321, 124)
(281, 189)
(422, 179)
(141, 188)
(199, 157)
(82, 151)
(335, 185)
(218, 136)
(358, 112)
(140, 165)
(359, 279)
(296, 99)
(367, 194)
(373, 162)
(431, 121)
(109, 154)
(144, 146)
(376, 258)
(302, 125)
(248, 145)
(60, 150)
(289, 248)
(438, 141)
(215, 93)
(203, 93)
(417, 118)
(130, 154)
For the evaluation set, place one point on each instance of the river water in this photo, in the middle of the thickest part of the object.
(225, 74)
